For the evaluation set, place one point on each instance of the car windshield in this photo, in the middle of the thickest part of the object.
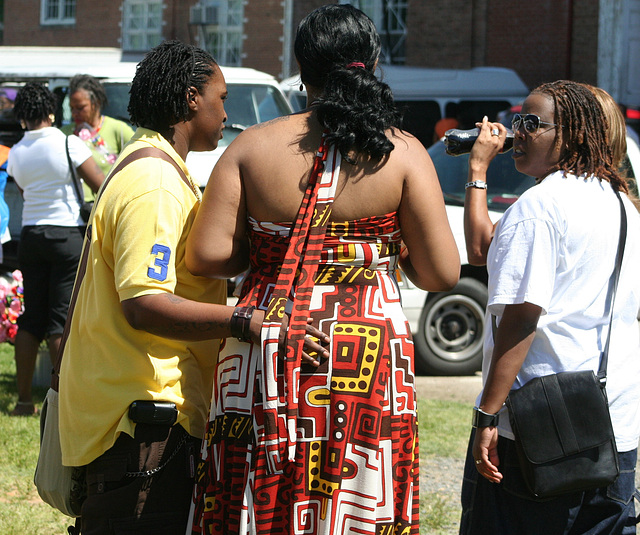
(248, 104)
(506, 184)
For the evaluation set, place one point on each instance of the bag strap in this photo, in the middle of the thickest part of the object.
(146, 152)
(74, 177)
(604, 357)
(295, 284)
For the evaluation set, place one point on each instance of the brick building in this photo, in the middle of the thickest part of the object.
(543, 40)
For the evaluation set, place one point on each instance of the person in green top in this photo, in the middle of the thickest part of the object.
(104, 135)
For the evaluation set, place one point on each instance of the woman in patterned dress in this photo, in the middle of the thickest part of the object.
(330, 446)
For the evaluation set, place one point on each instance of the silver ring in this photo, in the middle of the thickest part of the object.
(478, 461)
(495, 132)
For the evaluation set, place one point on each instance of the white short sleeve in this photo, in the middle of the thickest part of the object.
(78, 151)
(522, 261)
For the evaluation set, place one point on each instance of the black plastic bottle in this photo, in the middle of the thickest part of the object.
(459, 142)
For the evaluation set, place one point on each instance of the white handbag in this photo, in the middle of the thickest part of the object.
(62, 487)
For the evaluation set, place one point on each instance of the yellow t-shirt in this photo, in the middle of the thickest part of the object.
(140, 226)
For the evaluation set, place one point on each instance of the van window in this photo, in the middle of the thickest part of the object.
(117, 96)
(507, 183)
(249, 104)
(298, 100)
(419, 118)
(472, 111)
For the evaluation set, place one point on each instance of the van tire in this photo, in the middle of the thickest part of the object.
(450, 336)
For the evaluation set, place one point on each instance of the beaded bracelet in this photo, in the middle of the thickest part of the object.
(240, 323)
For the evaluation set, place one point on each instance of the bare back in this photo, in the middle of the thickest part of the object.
(264, 172)
(276, 170)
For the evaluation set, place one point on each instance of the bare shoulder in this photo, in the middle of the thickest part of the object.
(403, 141)
(408, 154)
(272, 123)
(269, 131)
(266, 140)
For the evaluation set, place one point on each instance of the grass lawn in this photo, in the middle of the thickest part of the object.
(444, 428)
(21, 509)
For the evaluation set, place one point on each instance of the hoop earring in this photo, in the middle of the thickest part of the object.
(301, 87)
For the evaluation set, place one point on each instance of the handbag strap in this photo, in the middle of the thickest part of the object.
(604, 357)
(146, 152)
(74, 177)
(295, 282)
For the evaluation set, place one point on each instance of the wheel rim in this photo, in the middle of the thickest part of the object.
(453, 328)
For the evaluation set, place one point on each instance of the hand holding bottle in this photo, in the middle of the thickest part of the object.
(459, 142)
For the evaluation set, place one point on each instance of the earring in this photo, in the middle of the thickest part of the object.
(301, 87)
(52, 118)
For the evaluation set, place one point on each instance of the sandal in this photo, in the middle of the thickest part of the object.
(24, 408)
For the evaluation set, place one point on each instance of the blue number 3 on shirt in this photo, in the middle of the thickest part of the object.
(163, 254)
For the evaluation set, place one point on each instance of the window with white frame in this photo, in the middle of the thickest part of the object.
(390, 18)
(219, 26)
(141, 24)
(58, 11)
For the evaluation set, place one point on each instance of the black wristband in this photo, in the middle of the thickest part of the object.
(240, 323)
(484, 419)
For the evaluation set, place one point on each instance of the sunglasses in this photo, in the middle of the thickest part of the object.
(530, 122)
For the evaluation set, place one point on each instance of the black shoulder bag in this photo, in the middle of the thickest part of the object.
(85, 207)
(561, 422)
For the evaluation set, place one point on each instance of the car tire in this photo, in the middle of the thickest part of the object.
(450, 335)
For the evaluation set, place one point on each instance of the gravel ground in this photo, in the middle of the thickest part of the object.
(443, 475)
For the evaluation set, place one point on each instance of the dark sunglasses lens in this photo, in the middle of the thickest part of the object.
(531, 123)
(516, 122)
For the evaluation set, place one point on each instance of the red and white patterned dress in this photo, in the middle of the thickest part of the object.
(351, 463)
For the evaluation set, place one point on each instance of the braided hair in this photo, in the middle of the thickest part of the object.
(585, 146)
(97, 94)
(34, 103)
(337, 47)
(158, 94)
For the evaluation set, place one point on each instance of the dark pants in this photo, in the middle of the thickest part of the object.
(155, 503)
(48, 256)
(504, 509)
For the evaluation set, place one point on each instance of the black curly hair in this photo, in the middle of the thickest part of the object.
(34, 103)
(583, 136)
(97, 94)
(332, 43)
(158, 94)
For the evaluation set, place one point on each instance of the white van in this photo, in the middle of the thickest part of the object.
(254, 97)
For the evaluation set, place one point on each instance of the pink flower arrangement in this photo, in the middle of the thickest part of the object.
(11, 306)
(98, 142)
(84, 134)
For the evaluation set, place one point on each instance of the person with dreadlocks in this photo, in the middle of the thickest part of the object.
(138, 363)
(549, 260)
(52, 229)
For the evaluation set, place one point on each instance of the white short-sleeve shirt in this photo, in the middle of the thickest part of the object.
(38, 163)
(556, 248)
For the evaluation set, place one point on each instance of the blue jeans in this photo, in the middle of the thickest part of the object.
(490, 508)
